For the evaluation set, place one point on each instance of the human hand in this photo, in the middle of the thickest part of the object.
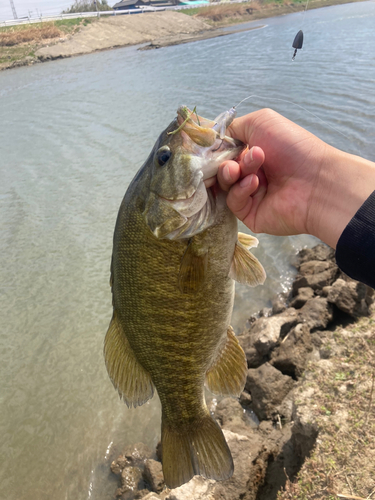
(290, 181)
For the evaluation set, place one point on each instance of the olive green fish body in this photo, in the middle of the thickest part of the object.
(175, 336)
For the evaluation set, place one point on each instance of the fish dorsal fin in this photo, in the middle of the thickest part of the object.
(245, 267)
(193, 268)
(131, 380)
(247, 240)
(227, 375)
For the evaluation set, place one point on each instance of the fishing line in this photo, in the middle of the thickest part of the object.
(298, 39)
(289, 102)
(304, 12)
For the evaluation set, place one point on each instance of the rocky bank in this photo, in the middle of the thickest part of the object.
(271, 428)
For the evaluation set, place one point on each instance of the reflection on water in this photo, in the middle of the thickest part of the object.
(72, 135)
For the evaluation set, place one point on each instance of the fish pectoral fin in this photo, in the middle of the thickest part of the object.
(246, 268)
(227, 375)
(247, 240)
(199, 449)
(128, 376)
(193, 268)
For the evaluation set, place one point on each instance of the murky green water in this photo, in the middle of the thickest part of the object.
(72, 135)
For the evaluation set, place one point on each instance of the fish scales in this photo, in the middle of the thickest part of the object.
(191, 327)
(173, 297)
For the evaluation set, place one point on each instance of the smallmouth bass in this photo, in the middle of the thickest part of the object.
(176, 252)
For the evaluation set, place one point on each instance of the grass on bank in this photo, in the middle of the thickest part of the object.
(226, 13)
(342, 464)
(18, 42)
(219, 12)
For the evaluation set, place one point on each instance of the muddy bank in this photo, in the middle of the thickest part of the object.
(111, 32)
(272, 428)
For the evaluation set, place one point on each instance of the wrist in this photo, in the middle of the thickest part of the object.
(345, 181)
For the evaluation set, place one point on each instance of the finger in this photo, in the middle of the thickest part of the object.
(228, 174)
(239, 197)
(261, 191)
(210, 181)
(252, 161)
(243, 128)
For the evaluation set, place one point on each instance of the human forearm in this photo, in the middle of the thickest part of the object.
(345, 181)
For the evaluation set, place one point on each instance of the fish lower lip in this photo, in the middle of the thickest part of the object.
(171, 200)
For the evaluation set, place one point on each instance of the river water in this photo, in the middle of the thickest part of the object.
(72, 135)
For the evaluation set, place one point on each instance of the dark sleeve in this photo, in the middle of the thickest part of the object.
(355, 251)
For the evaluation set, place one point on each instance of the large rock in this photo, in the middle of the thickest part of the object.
(131, 481)
(253, 357)
(319, 252)
(291, 355)
(148, 496)
(232, 416)
(350, 297)
(197, 488)
(317, 268)
(303, 295)
(279, 304)
(250, 465)
(153, 475)
(315, 281)
(305, 429)
(268, 387)
(134, 455)
(317, 313)
(265, 332)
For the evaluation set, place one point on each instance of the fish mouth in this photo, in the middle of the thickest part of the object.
(191, 205)
(207, 151)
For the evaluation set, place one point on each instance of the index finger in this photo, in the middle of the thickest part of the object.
(243, 128)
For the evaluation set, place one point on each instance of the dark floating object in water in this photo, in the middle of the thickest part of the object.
(297, 43)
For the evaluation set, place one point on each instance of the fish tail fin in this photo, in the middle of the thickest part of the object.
(200, 449)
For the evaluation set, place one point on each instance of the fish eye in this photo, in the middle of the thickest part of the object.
(163, 156)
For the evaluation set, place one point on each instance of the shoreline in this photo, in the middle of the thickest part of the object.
(145, 30)
(310, 377)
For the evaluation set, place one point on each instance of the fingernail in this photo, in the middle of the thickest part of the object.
(246, 181)
(248, 158)
(226, 174)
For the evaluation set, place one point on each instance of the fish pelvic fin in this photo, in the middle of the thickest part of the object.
(227, 375)
(245, 267)
(200, 449)
(128, 376)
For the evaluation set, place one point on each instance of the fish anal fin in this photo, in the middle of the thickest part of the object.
(246, 268)
(131, 380)
(193, 268)
(247, 240)
(227, 375)
(200, 449)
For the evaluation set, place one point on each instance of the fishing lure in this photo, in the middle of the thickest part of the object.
(297, 43)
